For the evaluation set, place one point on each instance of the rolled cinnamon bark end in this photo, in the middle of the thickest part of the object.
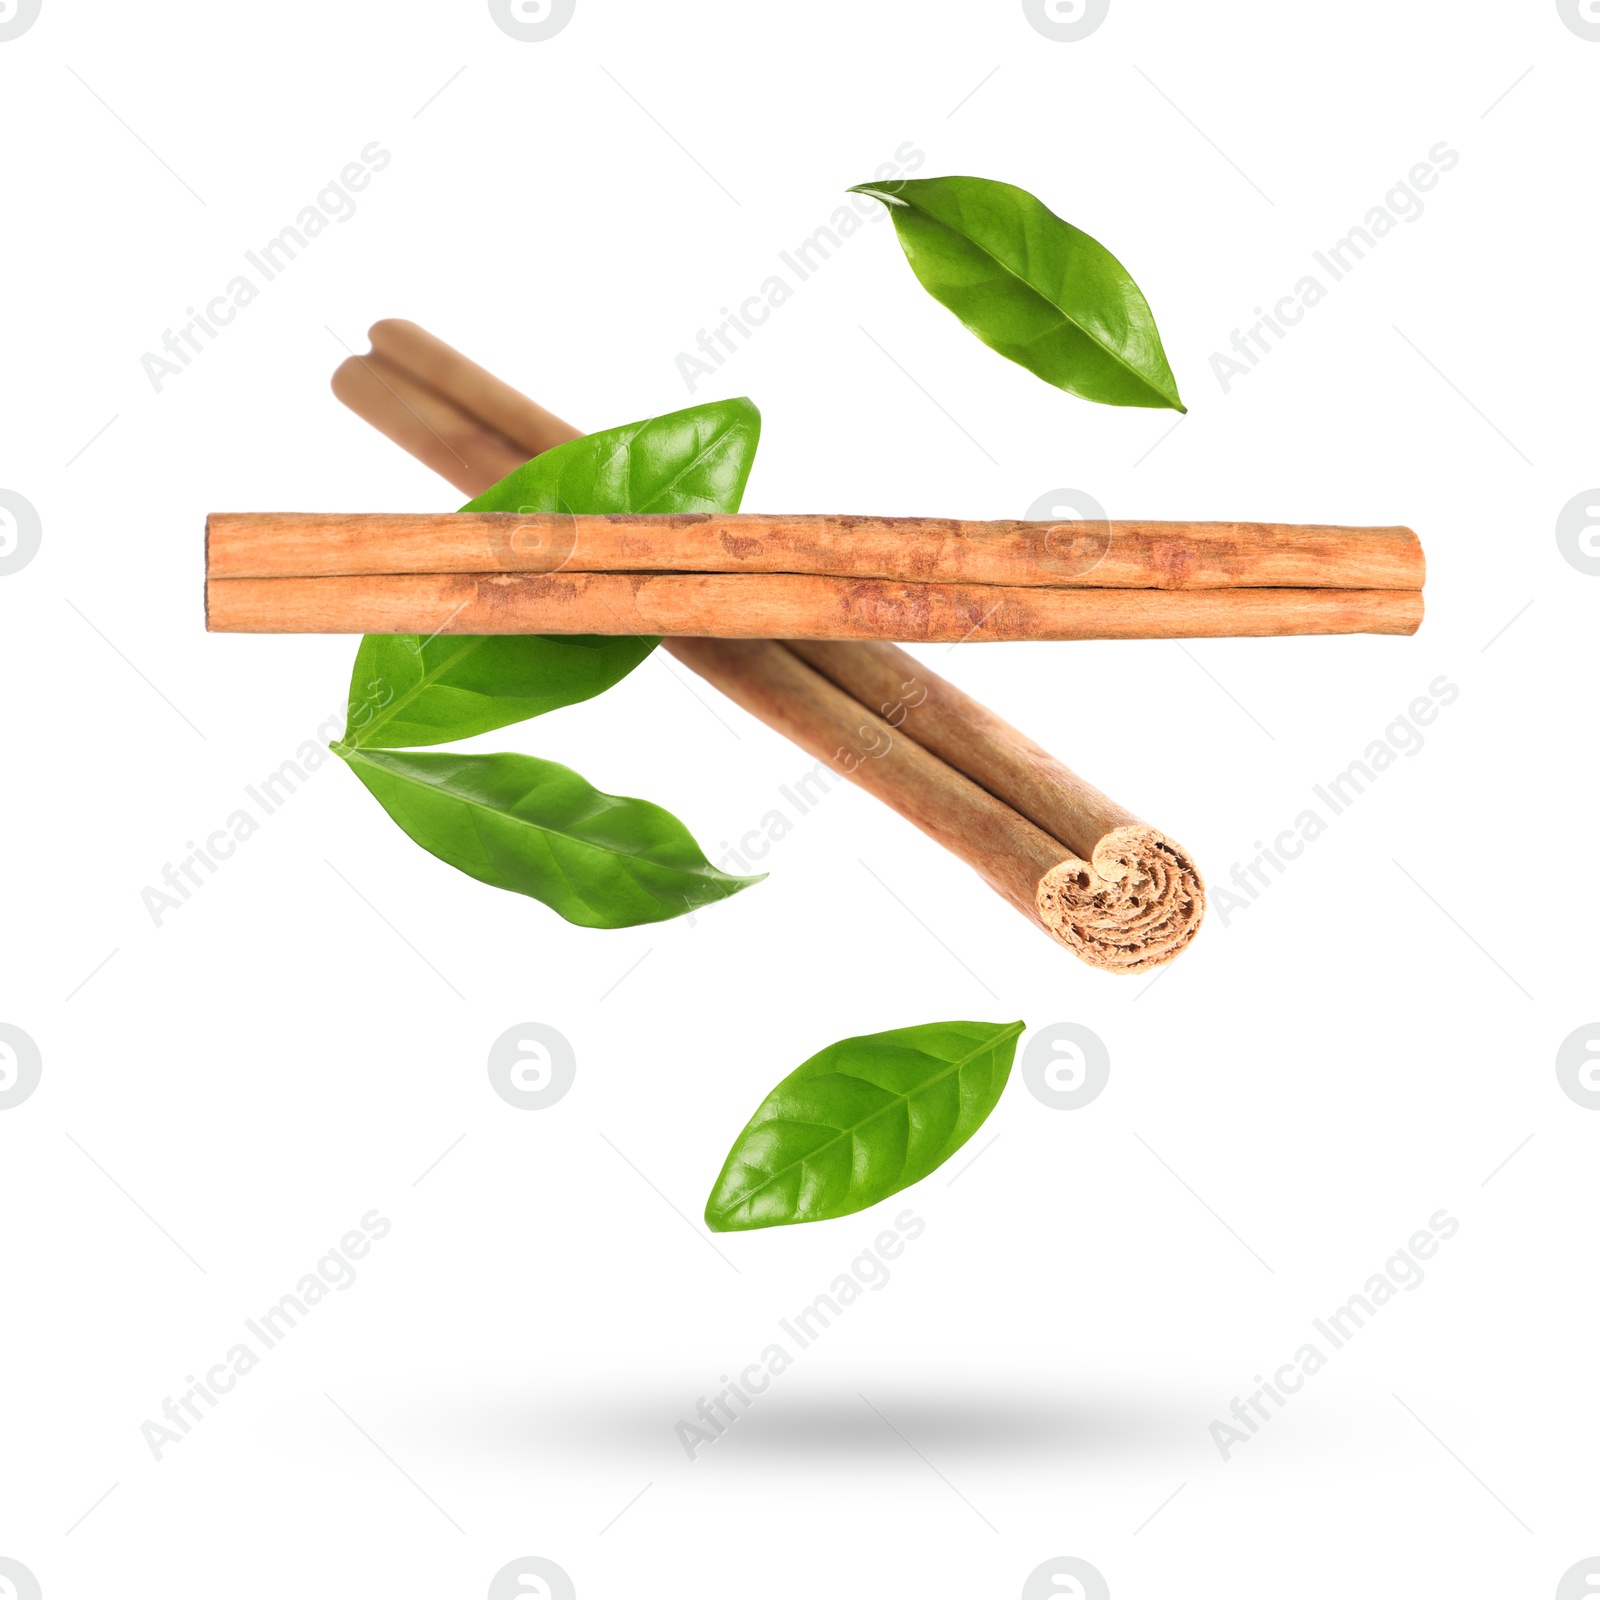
(1135, 905)
(1129, 899)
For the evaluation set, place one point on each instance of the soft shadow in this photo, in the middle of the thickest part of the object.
(818, 1426)
(972, 1424)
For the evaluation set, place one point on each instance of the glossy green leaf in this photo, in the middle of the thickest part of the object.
(537, 828)
(406, 690)
(860, 1121)
(1035, 288)
(692, 460)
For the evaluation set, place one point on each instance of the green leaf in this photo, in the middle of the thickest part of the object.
(1035, 288)
(537, 828)
(692, 460)
(406, 690)
(860, 1121)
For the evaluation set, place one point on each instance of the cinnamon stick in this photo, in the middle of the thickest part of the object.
(476, 391)
(783, 605)
(1115, 892)
(1129, 901)
(970, 737)
(1099, 555)
(423, 422)
(444, 409)
(1138, 899)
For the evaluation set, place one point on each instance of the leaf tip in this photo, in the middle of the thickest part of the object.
(873, 192)
(734, 883)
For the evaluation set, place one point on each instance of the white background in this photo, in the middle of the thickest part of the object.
(1369, 1042)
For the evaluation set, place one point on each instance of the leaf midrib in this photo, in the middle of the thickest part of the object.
(1013, 1030)
(715, 443)
(625, 446)
(1061, 311)
(427, 680)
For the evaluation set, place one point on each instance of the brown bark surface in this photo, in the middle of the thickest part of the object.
(787, 606)
(1119, 555)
